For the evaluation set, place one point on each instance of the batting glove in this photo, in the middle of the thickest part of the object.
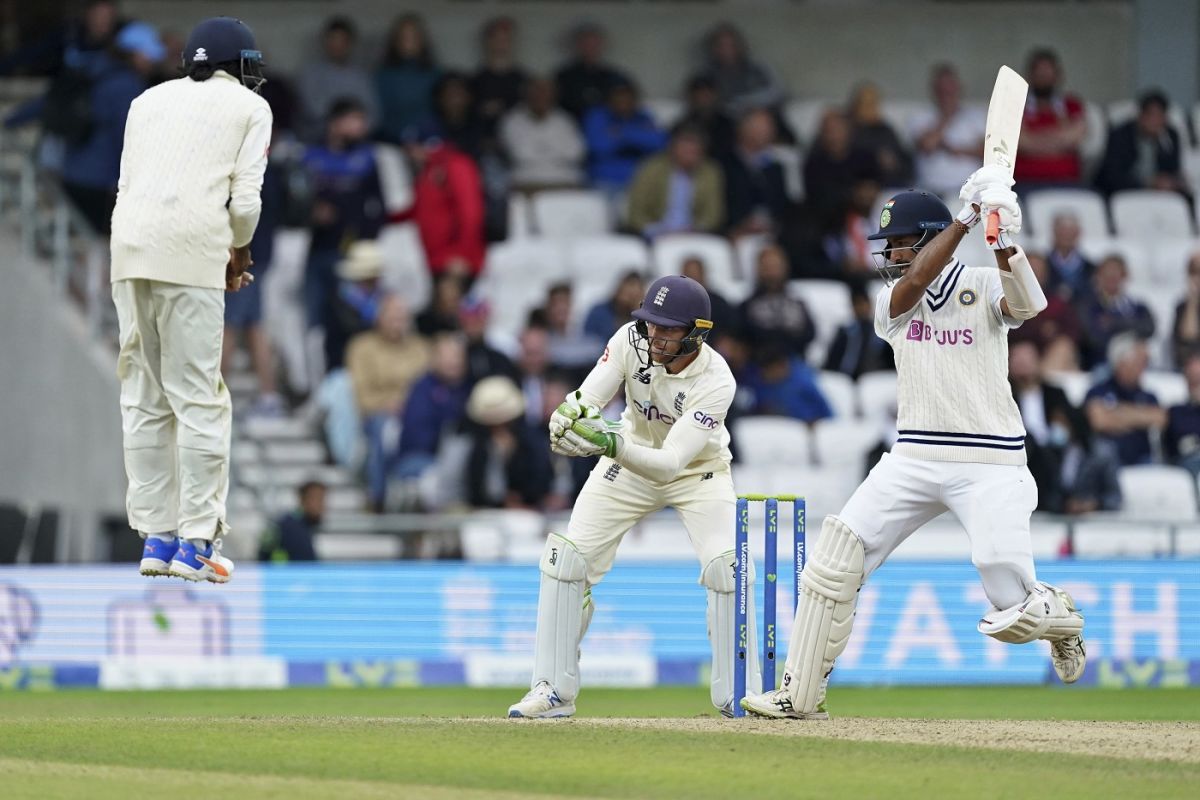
(599, 436)
(982, 178)
(1003, 201)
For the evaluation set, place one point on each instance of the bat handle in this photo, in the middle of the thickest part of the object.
(992, 232)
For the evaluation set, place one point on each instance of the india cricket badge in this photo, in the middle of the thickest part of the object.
(886, 217)
(967, 297)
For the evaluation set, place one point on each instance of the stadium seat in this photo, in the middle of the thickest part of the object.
(1187, 541)
(671, 251)
(596, 264)
(828, 302)
(1122, 111)
(515, 278)
(772, 440)
(567, 213)
(1158, 492)
(877, 396)
(1116, 538)
(1136, 254)
(1074, 384)
(1149, 215)
(899, 114)
(792, 161)
(520, 217)
(1169, 387)
(840, 392)
(665, 110)
(395, 177)
(804, 118)
(843, 442)
(1044, 205)
(294, 452)
(404, 265)
(1169, 259)
(357, 547)
(1092, 149)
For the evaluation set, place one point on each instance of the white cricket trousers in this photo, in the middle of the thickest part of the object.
(992, 501)
(175, 410)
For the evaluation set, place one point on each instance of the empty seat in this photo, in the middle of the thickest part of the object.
(1044, 205)
(1169, 387)
(1115, 538)
(1157, 491)
(515, 278)
(1147, 214)
(828, 303)
(294, 452)
(1169, 259)
(843, 442)
(665, 110)
(357, 547)
(566, 213)
(772, 440)
(404, 265)
(1135, 252)
(804, 118)
(520, 217)
(1074, 384)
(715, 251)
(276, 428)
(877, 395)
(792, 162)
(841, 393)
(1092, 148)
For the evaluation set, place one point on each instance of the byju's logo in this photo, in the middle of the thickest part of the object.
(918, 331)
(18, 621)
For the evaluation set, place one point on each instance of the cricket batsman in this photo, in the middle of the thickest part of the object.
(671, 448)
(961, 445)
(187, 204)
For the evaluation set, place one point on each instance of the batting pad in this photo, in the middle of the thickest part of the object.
(1047, 613)
(718, 578)
(560, 623)
(828, 593)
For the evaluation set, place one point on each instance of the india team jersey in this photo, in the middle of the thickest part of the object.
(655, 400)
(954, 399)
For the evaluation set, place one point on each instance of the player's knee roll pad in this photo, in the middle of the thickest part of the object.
(719, 579)
(561, 561)
(828, 593)
(1047, 613)
(720, 574)
(561, 614)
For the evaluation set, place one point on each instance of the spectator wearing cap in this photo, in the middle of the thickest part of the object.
(855, 349)
(447, 204)
(434, 409)
(948, 134)
(355, 305)
(1181, 437)
(679, 191)
(1053, 129)
(1108, 310)
(703, 111)
(291, 537)
(92, 166)
(1119, 409)
(333, 77)
(509, 464)
(1144, 153)
(542, 142)
(585, 81)
(756, 199)
(499, 82)
(604, 318)
(619, 135)
(406, 79)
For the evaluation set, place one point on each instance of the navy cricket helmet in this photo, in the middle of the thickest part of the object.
(673, 301)
(910, 213)
(222, 41)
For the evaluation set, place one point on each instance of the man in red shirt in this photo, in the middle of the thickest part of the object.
(1054, 128)
(447, 204)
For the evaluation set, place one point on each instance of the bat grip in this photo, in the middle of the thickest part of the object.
(992, 232)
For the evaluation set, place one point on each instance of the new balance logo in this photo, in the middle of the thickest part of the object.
(612, 472)
(706, 476)
(642, 375)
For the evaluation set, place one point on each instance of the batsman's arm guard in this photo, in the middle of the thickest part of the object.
(1021, 288)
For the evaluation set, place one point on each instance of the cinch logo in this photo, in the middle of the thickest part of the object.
(705, 420)
(918, 331)
(651, 413)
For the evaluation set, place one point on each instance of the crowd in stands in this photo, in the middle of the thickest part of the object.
(412, 392)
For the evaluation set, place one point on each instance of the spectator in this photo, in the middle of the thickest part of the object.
(585, 81)
(1144, 153)
(679, 191)
(724, 317)
(542, 141)
(604, 318)
(831, 168)
(856, 349)
(383, 364)
(348, 202)
(1107, 310)
(619, 134)
(846, 252)
(783, 385)
(71, 46)
(500, 82)
(454, 111)
(756, 199)
(1185, 341)
(1071, 271)
(533, 366)
(1053, 130)
(572, 351)
(291, 538)
(703, 111)
(1181, 437)
(404, 82)
(334, 77)
(434, 408)
(743, 85)
(441, 315)
(355, 305)
(1056, 331)
(509, 463)
(447, 205)
(1069, 477)
(483, 358)
(92, 165)
(1120, 411)
(771, 314)
(567, 474)
(871, 133)
(948, 135)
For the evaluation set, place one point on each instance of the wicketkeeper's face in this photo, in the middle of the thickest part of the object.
(664, 343)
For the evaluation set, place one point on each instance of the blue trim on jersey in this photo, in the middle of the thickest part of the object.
(962, 444)
(1020, 438)
(947, 288)
(958, 265)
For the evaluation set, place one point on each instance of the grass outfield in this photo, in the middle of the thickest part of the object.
(438, 742)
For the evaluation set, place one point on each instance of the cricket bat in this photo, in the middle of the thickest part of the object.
(1005, 112)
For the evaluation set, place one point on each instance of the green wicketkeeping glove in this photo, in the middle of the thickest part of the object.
(600, 434)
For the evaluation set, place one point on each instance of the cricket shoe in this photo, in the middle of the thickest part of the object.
(778, 704)
(157, 555)
(201, 565)
(542, 702)
(1069, 657)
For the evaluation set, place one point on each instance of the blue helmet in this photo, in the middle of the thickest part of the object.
(910, 213)
(673, 301)
(225, 40)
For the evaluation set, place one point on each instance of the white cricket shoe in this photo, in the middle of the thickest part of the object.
(777, 704)
(201, 565)
(1069, 657)
(542, 702)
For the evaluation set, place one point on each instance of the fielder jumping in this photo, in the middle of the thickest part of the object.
(671, 448)
(961, 446)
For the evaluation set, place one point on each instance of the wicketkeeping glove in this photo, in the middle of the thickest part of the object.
(567, 412)
(599, 436)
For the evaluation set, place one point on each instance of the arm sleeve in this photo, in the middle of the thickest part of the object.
(245, 193)
(687, 438)
(609, 373)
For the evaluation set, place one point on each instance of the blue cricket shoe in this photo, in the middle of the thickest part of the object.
(157, 555)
